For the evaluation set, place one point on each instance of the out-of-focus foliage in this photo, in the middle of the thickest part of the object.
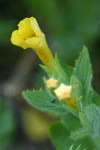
(35, 124)
(7, 124)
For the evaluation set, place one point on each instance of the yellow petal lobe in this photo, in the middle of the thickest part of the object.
(29, 35)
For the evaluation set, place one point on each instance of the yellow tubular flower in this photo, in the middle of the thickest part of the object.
(29, 35)
(51, 83)
(63, 92)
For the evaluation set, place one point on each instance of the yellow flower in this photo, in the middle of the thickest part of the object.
(64, 92)
(29, 35)
(51, 83)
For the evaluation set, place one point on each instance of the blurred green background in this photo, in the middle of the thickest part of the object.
(68, 25)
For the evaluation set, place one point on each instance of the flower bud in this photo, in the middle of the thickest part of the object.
(63, 91)
(51, 83)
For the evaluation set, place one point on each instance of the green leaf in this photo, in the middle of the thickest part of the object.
(96, 98)
(80, 133)
(71, 122)
(60, 137)
(91, 120)
(63, 77)
(82, 136)
(83, 71)
(44, 102)
(7, 124)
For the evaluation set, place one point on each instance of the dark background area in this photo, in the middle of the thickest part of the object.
(68, 25)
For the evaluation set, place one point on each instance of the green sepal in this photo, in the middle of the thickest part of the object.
(67, 69)
(56, 71)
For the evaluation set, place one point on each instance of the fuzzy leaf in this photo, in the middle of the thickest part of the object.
(44, 102)
(96, 98)
(80, 133)
(83, 71)
(91, 120)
